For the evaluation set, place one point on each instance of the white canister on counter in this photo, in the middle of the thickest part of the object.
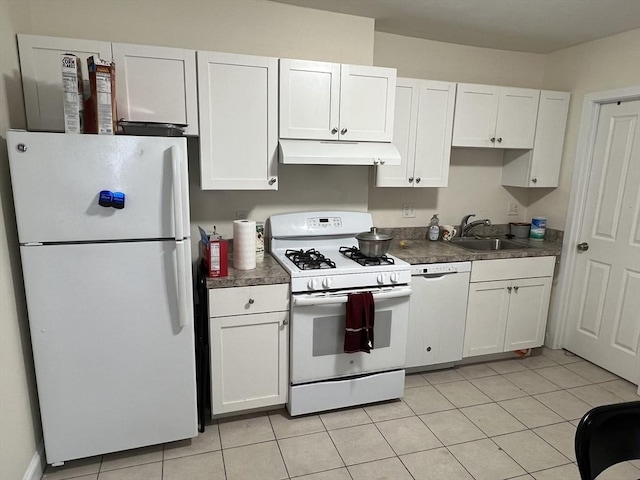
(538, 228)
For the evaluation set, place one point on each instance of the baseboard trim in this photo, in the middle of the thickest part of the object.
(36, 465)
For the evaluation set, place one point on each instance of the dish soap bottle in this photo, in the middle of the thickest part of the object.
(434, 228)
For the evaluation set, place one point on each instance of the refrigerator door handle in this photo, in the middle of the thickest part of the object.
(177, 193)
(182, 284)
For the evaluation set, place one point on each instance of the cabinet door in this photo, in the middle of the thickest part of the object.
(249, 361)
(42, 76)
(547, 147)
(487, 311)
(309, 99)
(404, 136)
(476, 112)
(433, 139)
(517, 114)
(528, 309)
(156, 84)
(367, 99)
(238, 105)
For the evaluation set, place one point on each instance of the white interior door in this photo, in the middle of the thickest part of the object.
(603, 322)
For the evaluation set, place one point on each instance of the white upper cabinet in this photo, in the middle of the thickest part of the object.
(329, 101)
(491, 116)
(238, 104)
(422, 133)
(153, 84)
(42, 76)
(156, 84)
(540, 167)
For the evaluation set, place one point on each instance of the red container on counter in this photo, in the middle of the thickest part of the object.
(215, 253)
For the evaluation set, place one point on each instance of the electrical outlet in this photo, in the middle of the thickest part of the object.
(242, 215)
(408, 210)
(512, 208)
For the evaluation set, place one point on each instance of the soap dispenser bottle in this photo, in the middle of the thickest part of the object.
(434, 228)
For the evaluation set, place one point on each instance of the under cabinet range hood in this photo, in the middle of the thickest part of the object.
(315, 152)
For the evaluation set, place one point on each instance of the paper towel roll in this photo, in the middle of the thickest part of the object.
(244, 244)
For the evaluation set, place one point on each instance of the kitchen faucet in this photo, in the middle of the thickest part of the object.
(465, 226)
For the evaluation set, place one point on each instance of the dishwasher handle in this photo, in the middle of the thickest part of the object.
(434, 276)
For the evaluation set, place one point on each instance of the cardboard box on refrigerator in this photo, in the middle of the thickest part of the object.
(100, 102)
(214, 251)
(72, 93)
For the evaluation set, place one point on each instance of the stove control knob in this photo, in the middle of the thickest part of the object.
(395, 277)
(326, 282)
(381, 279)
(313, 284)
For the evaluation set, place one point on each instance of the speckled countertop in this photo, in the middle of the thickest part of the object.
(419, 251)
(416, 250)
(267, 272)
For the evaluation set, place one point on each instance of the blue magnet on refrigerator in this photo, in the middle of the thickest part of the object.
(105, 198)
(118, 200)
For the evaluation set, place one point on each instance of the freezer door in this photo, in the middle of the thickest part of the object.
(57, 180)
(115, 369)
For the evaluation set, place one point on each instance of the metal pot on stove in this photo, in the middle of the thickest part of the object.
(372, 243)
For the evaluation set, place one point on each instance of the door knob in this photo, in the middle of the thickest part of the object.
(583, 247)
(509, 289)
(493, 139)
(272, 181)
(410, 179)
(343, 131)
(516, 288)
(334, 130)
(499, 139)
(418, 180)
(534, 180)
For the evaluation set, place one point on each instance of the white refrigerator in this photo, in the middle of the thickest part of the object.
(103, 226)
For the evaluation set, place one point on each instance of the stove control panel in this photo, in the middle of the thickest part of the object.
(324, 223)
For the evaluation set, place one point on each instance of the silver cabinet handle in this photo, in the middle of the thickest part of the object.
(499, 139)
(343, 131)
(272, 181)
(251, 301)
(410, 179)
(375, 162)
(334, 130)
(285, 323)
(583, 247)
(493, 139)
(516, 288)
(534, 180)
(509, 289)
(381, 162)
(418, 180)
(21, 147)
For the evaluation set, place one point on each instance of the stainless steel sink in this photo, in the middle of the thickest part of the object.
(482, 244)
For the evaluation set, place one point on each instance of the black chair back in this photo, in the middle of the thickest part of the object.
(607, 435)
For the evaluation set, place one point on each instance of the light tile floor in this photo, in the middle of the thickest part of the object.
(510, 419)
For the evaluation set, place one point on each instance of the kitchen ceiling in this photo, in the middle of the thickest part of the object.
(536, 26)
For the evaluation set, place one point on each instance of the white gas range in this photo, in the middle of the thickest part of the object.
(319, 249)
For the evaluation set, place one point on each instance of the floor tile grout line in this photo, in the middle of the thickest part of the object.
(286, 469)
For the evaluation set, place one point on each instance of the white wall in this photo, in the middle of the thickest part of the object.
(19, 418)
(603, 64)
(474, 177)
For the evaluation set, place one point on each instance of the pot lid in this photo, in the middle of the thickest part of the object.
(373, 235)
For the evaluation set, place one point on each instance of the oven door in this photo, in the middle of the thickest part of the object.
(317, 335)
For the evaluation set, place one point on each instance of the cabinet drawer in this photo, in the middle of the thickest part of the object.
(507, 268)
(244, 300)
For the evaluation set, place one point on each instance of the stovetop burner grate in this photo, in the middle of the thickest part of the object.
(309, 260)
(356, 255)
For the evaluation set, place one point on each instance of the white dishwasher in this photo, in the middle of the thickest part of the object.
(437, 313)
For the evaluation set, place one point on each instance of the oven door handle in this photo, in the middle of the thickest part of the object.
(307, 300)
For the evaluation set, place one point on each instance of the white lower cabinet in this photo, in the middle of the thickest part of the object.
(508, 305)
(249, 329)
